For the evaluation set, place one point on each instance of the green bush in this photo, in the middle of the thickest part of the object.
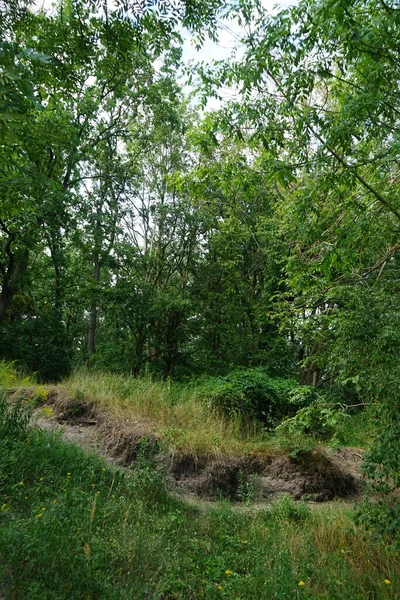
(9, 376)
(318, 419)
(252, 394)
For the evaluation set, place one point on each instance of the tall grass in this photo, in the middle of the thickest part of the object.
(174, 411)
(72, 528)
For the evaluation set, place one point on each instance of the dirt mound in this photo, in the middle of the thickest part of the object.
(314, 476)
(318, 475)
(124, 442)
(120, 439)
(77, 413)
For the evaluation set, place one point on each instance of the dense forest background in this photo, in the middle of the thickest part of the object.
(141, 234)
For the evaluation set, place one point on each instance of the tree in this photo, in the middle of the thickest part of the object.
(319, 94)
(239, 272)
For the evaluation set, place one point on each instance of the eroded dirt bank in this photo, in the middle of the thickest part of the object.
(319, 476)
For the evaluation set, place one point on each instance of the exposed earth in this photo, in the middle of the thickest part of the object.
(319, 476)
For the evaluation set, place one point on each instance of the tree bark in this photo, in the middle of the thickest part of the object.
(11, 277)
(93, 308)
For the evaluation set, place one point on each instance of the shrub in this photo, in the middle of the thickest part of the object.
(9, 376)
(252, 394)
(382, 470)
(319, 420)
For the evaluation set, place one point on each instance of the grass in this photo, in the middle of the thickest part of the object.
(72, 528)
(181, 416)
(174, 411)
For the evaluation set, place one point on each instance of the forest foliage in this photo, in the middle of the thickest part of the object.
(141, 235)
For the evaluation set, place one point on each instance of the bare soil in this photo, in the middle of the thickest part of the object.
(319, 476)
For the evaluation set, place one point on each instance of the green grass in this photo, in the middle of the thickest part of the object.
(72, 528)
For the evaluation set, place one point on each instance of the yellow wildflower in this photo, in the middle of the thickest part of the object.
(245, 542)
(301, 583)
(219, 587)
(39, 515)
(387, 581)
(228, 572)
(21, 483)
(41, 479)
(342, 551)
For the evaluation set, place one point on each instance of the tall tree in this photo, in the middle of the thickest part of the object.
(319, 93)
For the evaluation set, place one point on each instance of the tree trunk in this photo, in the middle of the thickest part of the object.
(93, 307)
(11, 278)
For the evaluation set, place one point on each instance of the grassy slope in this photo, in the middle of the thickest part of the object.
(71, 528)
(177, 414)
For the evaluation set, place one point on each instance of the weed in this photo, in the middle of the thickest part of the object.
(247, 487)
(10, 376)
(287, 509)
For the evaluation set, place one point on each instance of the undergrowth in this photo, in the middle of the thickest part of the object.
(72, 528)
(183, 416)
(11, 377)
